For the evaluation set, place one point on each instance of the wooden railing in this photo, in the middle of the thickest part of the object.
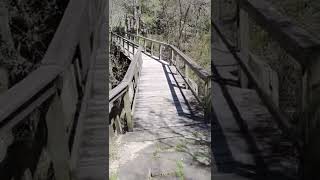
(197, 78)
(122, 97)
(297, 42)
(40, 115)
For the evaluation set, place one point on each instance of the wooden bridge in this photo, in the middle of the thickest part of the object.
(159, 102)
(179, 119)
(252, 137)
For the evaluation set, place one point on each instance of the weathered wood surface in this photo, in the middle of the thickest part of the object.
(92, 150)
(161, 101)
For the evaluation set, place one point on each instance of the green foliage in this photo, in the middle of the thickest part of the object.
(199, 50)
(183, 23)
(33, 24)
(118, 65)
(113, 176)
(17, 66)
(179, 170)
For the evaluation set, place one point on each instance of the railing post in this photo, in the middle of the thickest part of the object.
(128, 46)
(172, 57)
(243, 43)
(133, 47)
(207, 101)
(186, 74)
(117, 122)
(312, 132)
(127, 107)
(58, 140)
(160, 53)
(151, 48)
(217, 19)
(145, 45)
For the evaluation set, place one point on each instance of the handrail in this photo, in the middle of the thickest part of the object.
(202, 72)
(122, 97)
(120, 88)
(149, 39)
(56, 60)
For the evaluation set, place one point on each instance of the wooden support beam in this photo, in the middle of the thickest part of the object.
(57, 139)
(243, 44)
(160, 51)
(127, 108)
(152, 48)
(312, 121)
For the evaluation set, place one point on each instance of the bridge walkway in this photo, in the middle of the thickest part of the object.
(169, 131)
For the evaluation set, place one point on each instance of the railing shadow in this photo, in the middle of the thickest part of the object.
(176, 101)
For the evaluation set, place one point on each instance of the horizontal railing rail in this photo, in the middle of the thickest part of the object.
(41, 112)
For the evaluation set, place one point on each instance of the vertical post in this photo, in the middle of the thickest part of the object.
(58, 140)
(127, 107)
(145, 45)
(312, 103)
(160, 53)
(207, 101)
(217, 18)
(128, 47)
(243, 43)
(117, 122)
(151, 48)
(186, 74)
(172, 55)
(133, 48)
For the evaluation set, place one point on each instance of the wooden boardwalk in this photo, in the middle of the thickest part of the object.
(168, 129)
